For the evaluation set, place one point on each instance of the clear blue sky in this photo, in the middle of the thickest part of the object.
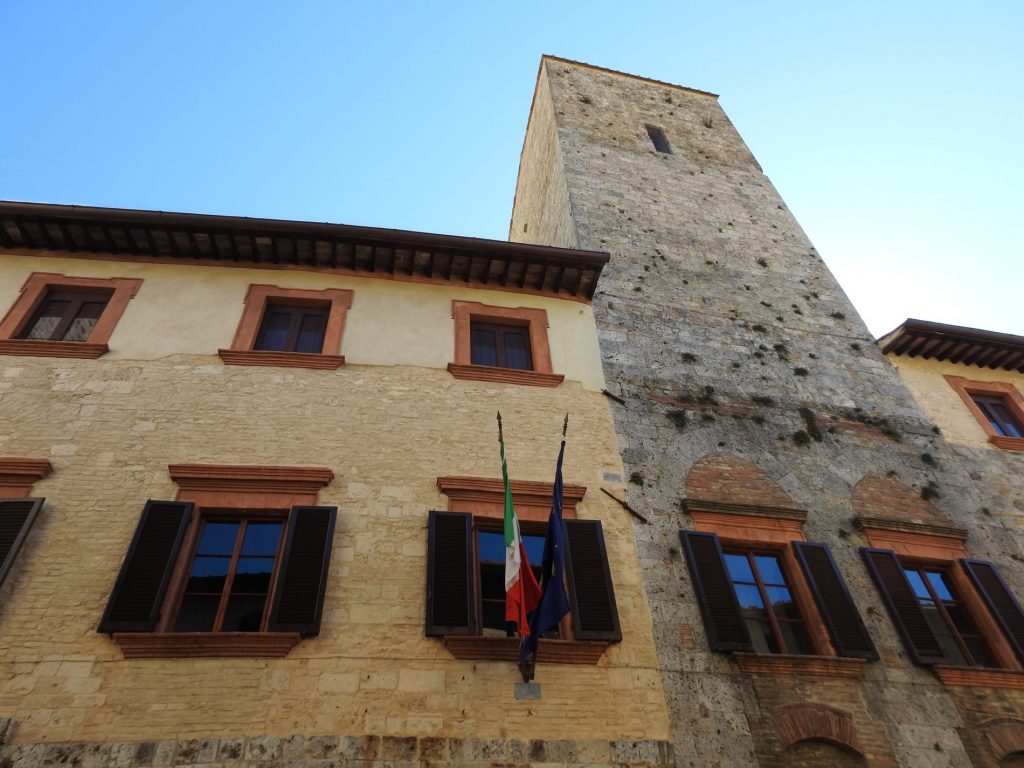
(895, 131)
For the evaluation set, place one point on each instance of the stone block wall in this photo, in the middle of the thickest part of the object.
(724, 333)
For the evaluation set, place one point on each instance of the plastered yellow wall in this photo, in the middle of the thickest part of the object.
(196, 309)
(924, 379)
(111, 426)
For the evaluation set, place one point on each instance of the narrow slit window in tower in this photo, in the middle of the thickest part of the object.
(658, 139)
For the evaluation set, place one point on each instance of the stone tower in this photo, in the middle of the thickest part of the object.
(750, 401)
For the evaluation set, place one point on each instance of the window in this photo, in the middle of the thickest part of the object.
(772, 616)
(228, 583)
(998, 407)
(999, 416)
(502, 344)
(59, 316)
(466, 569)
(948, 618)
(65, 316)
(290, 327)
(658, 139)
(206, 577)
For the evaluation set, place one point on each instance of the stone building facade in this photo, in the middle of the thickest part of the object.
(389, 419)
(751, 402)
(736, 436)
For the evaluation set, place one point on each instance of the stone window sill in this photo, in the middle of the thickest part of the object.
(1007, 443)
(191, 645)
(45, 348)
(798, 664)
(506, 375)
(507, 649)
(281, 359)
(980, 676)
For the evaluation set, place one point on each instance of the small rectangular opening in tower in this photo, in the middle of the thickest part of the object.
(658, 139)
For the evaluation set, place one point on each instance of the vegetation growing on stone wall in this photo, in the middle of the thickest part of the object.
(759, 328)
(707, 396)
(782, 351)
(838, 315)
(688, 357)
(812, 424)
(762, 400)
(801, 438)
(636, 479)
(800, 372)
(928, 459)
(763, 262)
(678, 417)
(855, 347)
(930, 491)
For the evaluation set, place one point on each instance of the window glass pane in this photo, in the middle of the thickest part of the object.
(492, 546)
(218, 539)
(208, 575)
(253, 575)
(244, 613)
(492, 582)
(952, 650)
(494, 619)
(47, 319)
(979, 651)
(938, 582)
(917, 584)
(794, 635)
(484, 345)
(84, 321)
(782, 603)
(749, 598)
(197, 613)
(517, 350)
(274, 331)
(960, 619)
(768, 566)
(534, 548)
(311, 334)
(762, 637)
(261, 539)
(739, 568)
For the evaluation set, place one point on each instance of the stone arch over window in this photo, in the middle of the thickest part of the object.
(796, 723)
(726, 478)
(877, 495)
(1006, 735)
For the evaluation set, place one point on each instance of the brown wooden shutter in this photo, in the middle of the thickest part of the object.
(595, 615)
(723, 620)
(999, 599)
(138, 593)
(299, 598)
(905, 610)
(451, 586)
(848, 633)
(16, 518)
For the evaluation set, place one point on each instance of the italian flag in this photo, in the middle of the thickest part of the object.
(522, 593)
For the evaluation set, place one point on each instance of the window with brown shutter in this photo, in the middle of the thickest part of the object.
(16, 519)
(1000, 601)
(723, 619)
(595, 616)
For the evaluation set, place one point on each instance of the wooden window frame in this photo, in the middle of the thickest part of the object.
(772, 530)
(484, 499)
(536, 320)
(257, 300)
(943, 547)
(253, 492)
(1011, 397)
(34, 292)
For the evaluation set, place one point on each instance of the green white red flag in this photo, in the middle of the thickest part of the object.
(522, 593)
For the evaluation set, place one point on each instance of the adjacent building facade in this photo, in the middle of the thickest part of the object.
(271, 528)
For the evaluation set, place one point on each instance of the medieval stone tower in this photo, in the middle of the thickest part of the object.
(751, 402)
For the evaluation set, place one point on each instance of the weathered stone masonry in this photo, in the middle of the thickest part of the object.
(718, 323)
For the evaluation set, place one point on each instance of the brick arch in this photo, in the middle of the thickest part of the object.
(726, 478)
(815, 722)
(1006, 735)
(877, 495)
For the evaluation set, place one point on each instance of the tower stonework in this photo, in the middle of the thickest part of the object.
(745, 387)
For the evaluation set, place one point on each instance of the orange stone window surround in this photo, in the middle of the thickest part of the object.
(258, 491)
(484, 498)
(1008, 393)
(33, 294)
(771, 529)
(259, 297)
(943, 546)
(535, 320)
(19, 474)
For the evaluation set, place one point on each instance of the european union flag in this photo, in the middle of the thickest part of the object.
(554, 602)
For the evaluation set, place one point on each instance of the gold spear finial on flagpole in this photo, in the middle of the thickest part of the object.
(499, 427)
(565, 426)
